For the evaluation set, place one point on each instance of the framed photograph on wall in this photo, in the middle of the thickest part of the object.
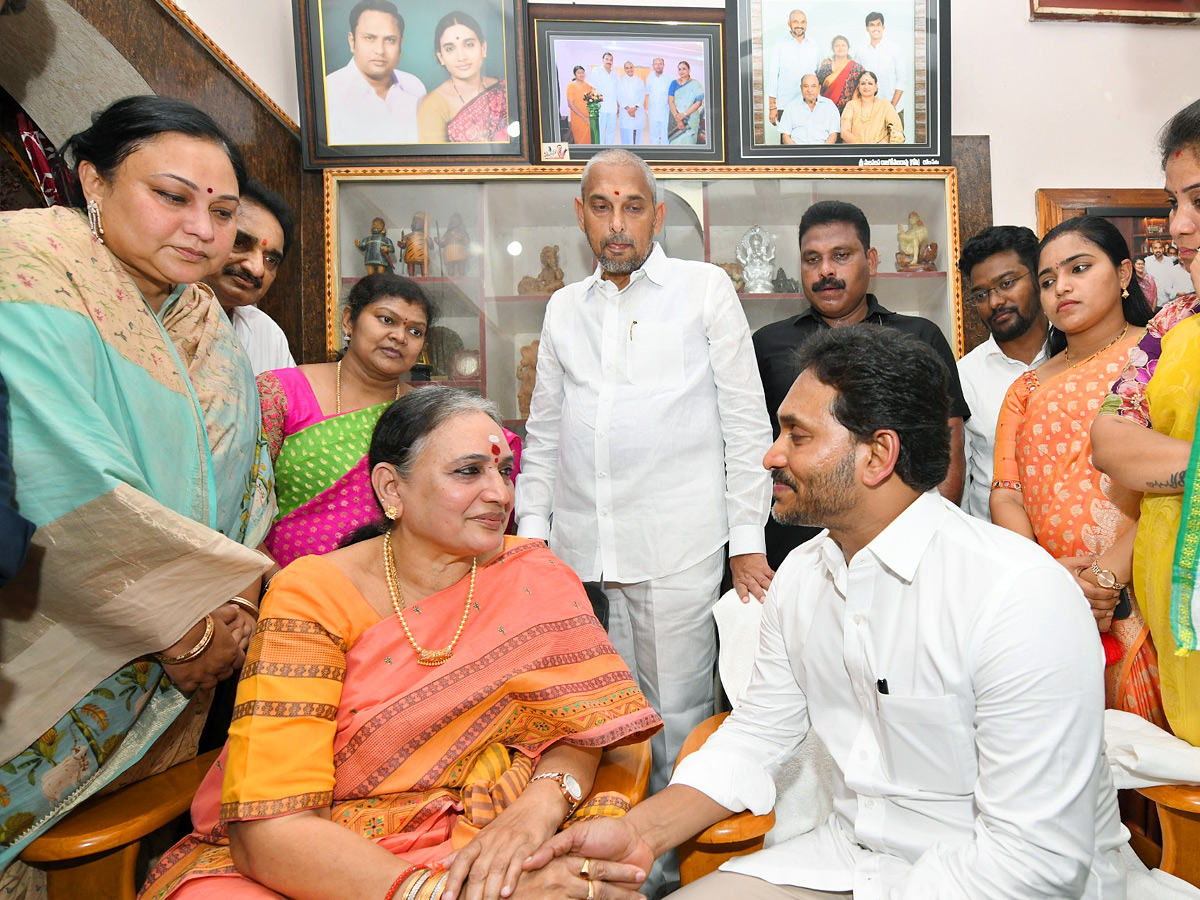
(840, 82)
(653, 82)
(1139, 12)
(382, 83)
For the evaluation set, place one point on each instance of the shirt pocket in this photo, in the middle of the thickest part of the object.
(926, 744)
(655, 356)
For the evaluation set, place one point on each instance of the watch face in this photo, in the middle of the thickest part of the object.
(573, 787)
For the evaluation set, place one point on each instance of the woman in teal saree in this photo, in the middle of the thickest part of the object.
(137, 453)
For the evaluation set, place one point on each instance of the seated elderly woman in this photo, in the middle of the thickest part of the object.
(435, 689)
(136, 453)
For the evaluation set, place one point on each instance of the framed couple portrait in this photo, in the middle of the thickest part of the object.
(650, 81)
(839, 82)
(384, 82)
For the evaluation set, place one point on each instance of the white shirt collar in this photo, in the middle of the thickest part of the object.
(655, 268)
(901, 544)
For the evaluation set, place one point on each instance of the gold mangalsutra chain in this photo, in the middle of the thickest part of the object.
(337, 389)
(1067, 352)
(424, 657)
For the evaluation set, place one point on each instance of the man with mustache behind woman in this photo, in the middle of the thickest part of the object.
(837, 263)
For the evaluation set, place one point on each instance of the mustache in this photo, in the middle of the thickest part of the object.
(239, 272)
(780, 476)
(623, 237)
(826, 284)
(1003, 309)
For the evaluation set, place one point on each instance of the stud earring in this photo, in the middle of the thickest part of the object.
(391, 512)
(94, 221)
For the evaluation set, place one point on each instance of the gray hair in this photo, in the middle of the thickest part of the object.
(618, 157)
(405, 429)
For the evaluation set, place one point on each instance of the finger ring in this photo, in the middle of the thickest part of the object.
(591, 890)
(585, 871)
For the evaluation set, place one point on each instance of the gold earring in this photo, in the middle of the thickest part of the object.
(391, 512)
(1125, 293)
(94, 221)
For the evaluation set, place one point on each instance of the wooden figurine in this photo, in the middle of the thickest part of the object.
(377, 249)
(527, 377)
(415, 245)
(549, 280)
(455, 246)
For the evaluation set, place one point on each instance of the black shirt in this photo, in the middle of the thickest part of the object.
(775, 347)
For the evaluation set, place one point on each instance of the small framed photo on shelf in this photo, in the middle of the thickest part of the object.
(649, 81)
(840, 82)
(421, 84)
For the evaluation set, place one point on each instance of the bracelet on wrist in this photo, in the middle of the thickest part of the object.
(245, 604)
(418, 879)
(200, 647)
(435, 887)
(398, 883)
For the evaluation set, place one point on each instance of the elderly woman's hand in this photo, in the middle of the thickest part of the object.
(489, 866)
(220, 659)
(563, 878)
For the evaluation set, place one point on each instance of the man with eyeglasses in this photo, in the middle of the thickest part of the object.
(998, 266)
(837, 263)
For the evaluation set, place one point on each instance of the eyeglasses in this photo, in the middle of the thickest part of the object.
(1003, 289)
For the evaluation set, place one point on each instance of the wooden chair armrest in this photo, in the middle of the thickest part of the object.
(1182, 797)
(735, 829)
(123, 817)
(625, 770)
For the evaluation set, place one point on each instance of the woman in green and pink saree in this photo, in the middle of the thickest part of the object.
(318, 419)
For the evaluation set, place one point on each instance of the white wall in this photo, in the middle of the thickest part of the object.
(1067, 104)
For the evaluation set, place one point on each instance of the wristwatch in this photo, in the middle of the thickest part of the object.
(1105, 578)
(566, 782)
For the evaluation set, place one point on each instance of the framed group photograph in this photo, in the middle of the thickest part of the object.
(627, 77)
(840, 82)
(383, 83)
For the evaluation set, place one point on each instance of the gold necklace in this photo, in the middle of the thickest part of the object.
(337, 385)
(865, 111)
(1067, 351)
(473, 96)
(424, 657)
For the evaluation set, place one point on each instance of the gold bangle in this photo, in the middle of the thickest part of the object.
(422, 877)
(436, 892)
(245, 604)
(200, 647)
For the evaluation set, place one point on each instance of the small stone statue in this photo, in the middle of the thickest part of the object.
(734, 271)
(527, 376)
(549, 280)
(917, 252)
(415, 245)
(377, 249)
(756, 252)
(783, 284)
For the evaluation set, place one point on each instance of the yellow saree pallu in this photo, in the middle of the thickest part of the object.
(334, 712)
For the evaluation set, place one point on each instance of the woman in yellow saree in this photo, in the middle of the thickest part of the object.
(439, 689)
(1046, 487)
(1146, 439)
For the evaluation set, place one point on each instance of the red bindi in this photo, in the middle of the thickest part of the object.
(264, 242)
(1178, 153)
(496, 450)
(210, 190)
(618, 193)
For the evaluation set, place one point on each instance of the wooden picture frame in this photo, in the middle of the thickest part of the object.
(425, 117)
(687, 43)
(768, 52)
(1144, 12)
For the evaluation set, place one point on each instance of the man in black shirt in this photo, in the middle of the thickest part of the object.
(836, 265)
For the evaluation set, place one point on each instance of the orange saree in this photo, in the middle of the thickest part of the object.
(1044, 451)
(333, 711)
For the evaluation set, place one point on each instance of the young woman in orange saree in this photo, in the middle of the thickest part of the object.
(351, 734)
(1046, 486)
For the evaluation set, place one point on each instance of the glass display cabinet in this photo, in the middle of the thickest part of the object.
(522, 237)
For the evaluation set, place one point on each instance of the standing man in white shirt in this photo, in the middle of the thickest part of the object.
(814, 120)
(946, 664)
(658, 111)
(999, 266)
(644, 434)
(794, 58)
(882, 57)
(369, 100)
(631, 96)
(604, 80)
(1163, 269)
(264, 236)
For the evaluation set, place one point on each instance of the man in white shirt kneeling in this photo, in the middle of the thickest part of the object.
(949, 666)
